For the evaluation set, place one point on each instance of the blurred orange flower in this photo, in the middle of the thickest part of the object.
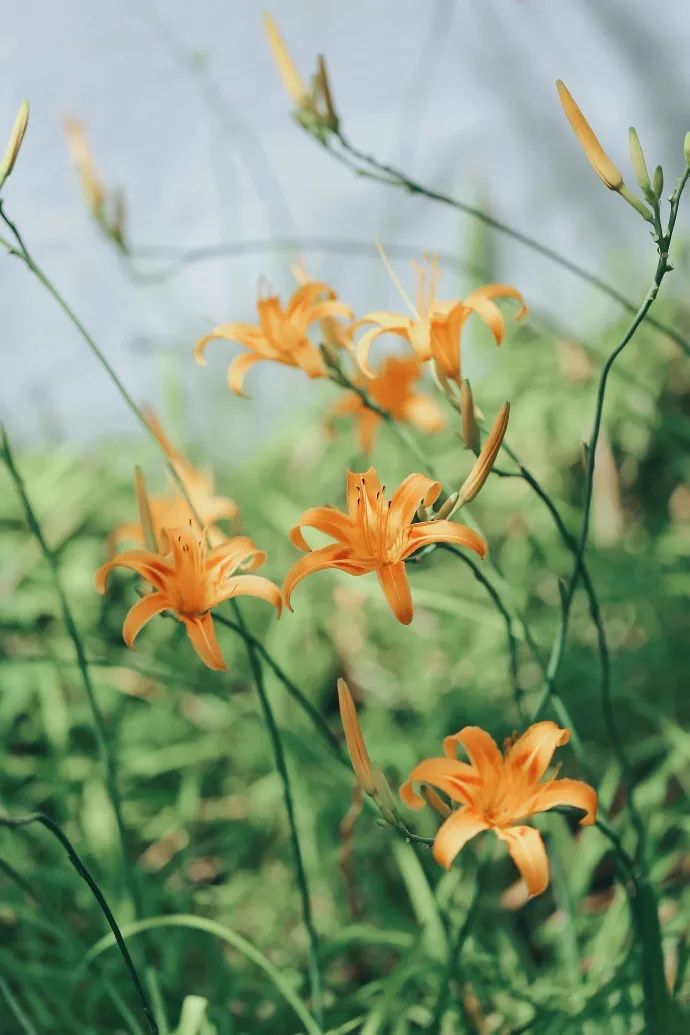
(281, 334)
(173, 510)
(189, 579)
(497, 790)
(391, 389)
(377, 534)
(434, 328)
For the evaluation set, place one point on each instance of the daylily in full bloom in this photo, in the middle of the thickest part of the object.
(377, 534)
(392, 389)
(281, 334)
(495, 791)
(173, 510)
(434, 328)
(190, 579)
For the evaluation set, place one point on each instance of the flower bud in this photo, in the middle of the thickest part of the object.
(470, 428)
(639, 165)
(485, 461)
(607, 172)
(384, 796)
(15, 141)
(359, 756)
(330, 116)
(686, 147)
(292, 81)
(658, 181)
(145, 519)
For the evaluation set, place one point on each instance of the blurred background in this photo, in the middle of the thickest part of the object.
(185, 113)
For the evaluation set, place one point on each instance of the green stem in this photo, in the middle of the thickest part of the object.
(73, 632)
(396, 178)
(83, 872)
(281, 766)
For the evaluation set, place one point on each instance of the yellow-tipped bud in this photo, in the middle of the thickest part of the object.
(292, 80)
(15, 141)
(470, 428)
(145, 519)
(597, 157)
(638, 163)
(435, 801)
(92, 187)
(485, 461)
(359, 756)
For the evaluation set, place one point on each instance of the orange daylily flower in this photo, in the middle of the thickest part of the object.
(173, 510)
(391, 388)
(281, 334)
(495, 791)
(190, 579)
(434, 328)
(377, 534)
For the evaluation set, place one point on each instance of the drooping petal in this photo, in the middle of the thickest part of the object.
(415, 489)
(328, 520)
(481, 749)
(448, 774)
(329, 309)
(250, 586)
(426, 532)
(389, 323)
(307, 294)
(150, 566)
(575, 793)
(141, 613)
(238, 370)
(240, 332)
(531, 753)
(481, 302)
(458, 829)
(393, 582)
(529, 855)
(202, 634)
(335, 556)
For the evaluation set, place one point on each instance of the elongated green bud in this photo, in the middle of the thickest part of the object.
(638, 163)
(686, 147)
(470, 428)
(15, 141)
(658, 181)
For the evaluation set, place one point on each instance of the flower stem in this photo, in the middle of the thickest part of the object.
(105, 909)
(281, 766)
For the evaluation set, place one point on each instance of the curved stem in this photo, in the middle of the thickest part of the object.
(105, 909)
(281, 766)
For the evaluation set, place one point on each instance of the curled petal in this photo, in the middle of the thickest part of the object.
(251, 586)
(329, 310)
(238, 370)
(458, 829)
(150, 566)
(481, 749)
(202, 633)
(529, 855)
(426, 532)
(335, 556)
(531, 753)
(393, 582)
(415, 489)
(393, 325)
(237, 552)
(228, 331)
(576, 793)
(328, 520)
(307, 294)
(481, 302)
(142, 612)
(457, 779)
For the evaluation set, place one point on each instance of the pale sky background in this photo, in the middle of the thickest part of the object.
(458, 92)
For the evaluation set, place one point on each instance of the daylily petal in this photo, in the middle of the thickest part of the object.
(531, 753)
(576, 793)
(237, 552)
(423, 533)
(367, 481)
(329, 309)
(369, 337)
(250, 586)
(481, 749)
(150, 566)
(308, 294)
(458, 829)
(481, 302)
(328, 520)
(529, 855)
(202, 634)
(448, 774)
(335, 556)
(416, 489)
(228, 331)
(423, 412)
(367, 423)
(393, 582)
(141, 613)
(238, 370)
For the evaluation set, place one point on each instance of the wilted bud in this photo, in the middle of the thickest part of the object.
(292, 81)
(330, 116)
(435, 801)
(15, 141)
(658, 181)
(470, 428)
(485, 461)
(145, 519)
(639, 165)
(359, 756)
(597, 157)
(686, 147)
